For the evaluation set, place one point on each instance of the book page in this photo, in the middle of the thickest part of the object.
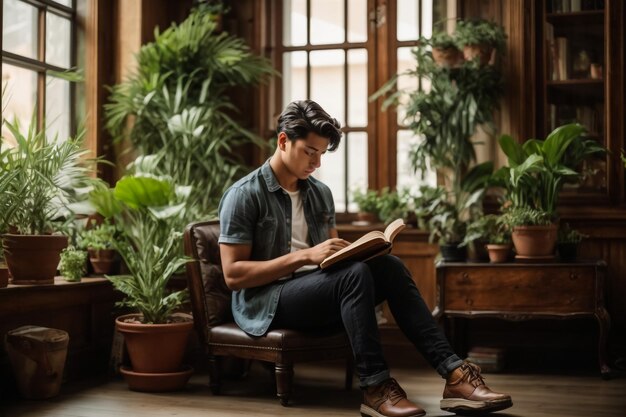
(392, 230)
(365, 245)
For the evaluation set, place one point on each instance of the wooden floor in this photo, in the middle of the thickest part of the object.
(318, 391)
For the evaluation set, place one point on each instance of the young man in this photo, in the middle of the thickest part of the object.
(277, 225)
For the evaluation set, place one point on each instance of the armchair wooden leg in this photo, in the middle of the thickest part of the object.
(349, 373)
(214, 375)
(284, 378)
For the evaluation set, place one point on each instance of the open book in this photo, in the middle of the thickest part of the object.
(370, 245)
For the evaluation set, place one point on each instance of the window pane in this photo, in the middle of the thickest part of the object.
(58, 40)
(356, 146)
(406, 61)
(67, 3)
(294, 77)
(357, 88)
(427, 18)
(357, 20)
(327, 81)
(57, 108)
(294, 22)
(408, 25)
(327, 25)
(19, 97)
(19, 28)
(332, 173)
(406, 178)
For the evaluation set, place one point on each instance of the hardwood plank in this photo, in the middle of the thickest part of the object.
(318, 391)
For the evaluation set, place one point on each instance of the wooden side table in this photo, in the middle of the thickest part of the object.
(524, 291)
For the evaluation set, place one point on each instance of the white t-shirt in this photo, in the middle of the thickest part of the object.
(299, 228)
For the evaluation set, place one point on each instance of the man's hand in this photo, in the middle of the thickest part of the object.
(322, 251)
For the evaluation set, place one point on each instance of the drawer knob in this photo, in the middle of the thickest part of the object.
(573, 276)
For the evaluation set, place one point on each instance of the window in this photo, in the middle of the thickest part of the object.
(339, 52)
(38, 40)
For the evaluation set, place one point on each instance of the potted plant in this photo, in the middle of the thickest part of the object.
(533, 179)
(73, 264)
(98, 240)
(444, 50)
(367, 203)
(423, 203)
(176, 106)
(491, 233)
(44, 176)
(479, 39)
(393, 205)
(567, 242)
(150, 213)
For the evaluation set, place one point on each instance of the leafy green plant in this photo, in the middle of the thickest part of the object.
(491, 228)
(367, 201)
(44, 176)
(476, 32)
(98, 237)
(393, 204)
(525, 216)
(442, 40)
(73, 263)
(538, 169)
(424, 202)
(569, 235)
(150, 212)
(180, 109)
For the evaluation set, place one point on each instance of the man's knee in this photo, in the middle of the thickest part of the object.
(357, 274)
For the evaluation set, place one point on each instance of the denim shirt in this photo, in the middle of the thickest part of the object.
(256, 211)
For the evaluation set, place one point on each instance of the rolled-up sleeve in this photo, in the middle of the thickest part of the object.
(237, 215)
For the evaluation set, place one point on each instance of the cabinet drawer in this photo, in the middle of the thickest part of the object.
(558, 290)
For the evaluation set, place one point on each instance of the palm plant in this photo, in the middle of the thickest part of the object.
(150, 212)
(42, 176)
(180, 108)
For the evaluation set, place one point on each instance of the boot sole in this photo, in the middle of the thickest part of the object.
(468, 407)
(370, 412)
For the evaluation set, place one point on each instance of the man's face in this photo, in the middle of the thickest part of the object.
(303, 156)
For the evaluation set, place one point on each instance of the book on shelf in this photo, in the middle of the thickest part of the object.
(561, 58)
(370, 245)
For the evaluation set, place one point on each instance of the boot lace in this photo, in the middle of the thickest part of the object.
(471, 374)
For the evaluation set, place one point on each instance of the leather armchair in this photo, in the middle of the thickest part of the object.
(220, 336)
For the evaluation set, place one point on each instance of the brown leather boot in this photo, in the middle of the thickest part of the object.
(466, 392)
(388, 400)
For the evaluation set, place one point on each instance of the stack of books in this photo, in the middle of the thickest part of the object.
(490, 359)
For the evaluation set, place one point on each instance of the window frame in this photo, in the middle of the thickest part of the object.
(39, 65)
(382, 46)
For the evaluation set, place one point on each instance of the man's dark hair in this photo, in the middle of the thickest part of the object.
(303, 117)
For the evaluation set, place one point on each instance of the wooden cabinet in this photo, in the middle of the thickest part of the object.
(516, 291)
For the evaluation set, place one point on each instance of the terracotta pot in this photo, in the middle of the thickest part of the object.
(534, 241)
(156, 382)
(485, 53)
(102, 260)
(155, 348)
(33, 259)
(447, 57)
(498, 253)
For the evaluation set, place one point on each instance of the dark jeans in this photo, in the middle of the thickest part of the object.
(347, 295)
